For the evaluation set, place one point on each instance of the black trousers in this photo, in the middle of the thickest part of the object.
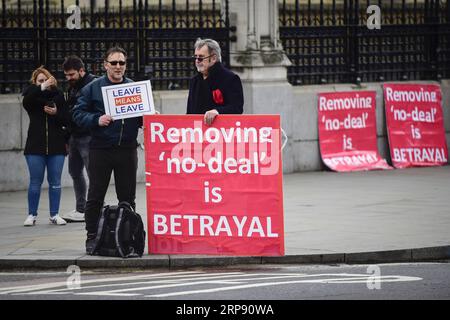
(102, 163)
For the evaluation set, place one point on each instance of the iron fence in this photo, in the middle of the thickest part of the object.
(328, 41)
(158, 35)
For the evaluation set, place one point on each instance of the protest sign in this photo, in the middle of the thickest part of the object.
(347, 131)
(415, 125)
(128, 100)
(214, 189)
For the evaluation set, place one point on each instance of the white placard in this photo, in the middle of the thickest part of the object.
(128, 100)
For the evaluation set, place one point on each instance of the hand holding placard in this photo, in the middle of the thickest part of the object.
(105, 120)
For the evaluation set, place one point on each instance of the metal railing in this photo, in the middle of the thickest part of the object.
(328, 41)
(158, 35)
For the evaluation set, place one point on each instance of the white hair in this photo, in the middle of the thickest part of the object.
(213, 47)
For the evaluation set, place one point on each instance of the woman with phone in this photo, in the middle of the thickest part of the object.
(45, 147)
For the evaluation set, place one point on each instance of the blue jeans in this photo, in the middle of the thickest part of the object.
(79, 159)
(36, 167)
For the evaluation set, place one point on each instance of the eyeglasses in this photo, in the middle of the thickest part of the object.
(114, 63)
(200, 59)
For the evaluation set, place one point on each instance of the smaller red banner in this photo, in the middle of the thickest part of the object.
(415, 125)
(347, 131)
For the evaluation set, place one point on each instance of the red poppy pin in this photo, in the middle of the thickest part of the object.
(217, 96)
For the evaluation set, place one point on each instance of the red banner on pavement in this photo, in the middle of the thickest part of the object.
(415, 125)
(214, 189)
(347, 131)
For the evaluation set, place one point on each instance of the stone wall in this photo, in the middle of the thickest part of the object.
(297, 106)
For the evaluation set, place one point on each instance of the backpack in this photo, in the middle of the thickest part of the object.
(120, 232)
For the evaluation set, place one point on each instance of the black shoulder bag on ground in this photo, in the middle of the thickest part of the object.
(120, 232)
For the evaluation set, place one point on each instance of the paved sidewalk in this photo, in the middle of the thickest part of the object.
(361, 217)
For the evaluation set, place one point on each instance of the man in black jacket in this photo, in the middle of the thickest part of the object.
(113, 146)
(214, 90)
(77, 78)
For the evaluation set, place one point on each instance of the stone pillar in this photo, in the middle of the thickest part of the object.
(258, 57)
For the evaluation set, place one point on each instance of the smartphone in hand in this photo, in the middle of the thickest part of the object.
(51, 104)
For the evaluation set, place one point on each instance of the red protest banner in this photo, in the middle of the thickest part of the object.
(214, 189)
(347, 131)
(415, 125)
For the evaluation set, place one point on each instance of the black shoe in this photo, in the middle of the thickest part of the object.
(90, 243)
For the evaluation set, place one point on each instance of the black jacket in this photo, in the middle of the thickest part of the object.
(201, 91)
(72, 96)
(46, 132)
(90, 107)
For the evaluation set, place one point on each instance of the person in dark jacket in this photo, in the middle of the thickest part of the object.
(45, 146)
(113, 143)
(214, 90)
(77, 78)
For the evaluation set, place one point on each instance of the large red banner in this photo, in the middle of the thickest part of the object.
(347, 131)
(415, 125)
(214, 189)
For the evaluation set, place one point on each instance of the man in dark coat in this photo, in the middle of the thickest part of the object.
(113, 143)
(214, 90)
(77, 77)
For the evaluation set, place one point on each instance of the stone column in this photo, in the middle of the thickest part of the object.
(258, 57)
